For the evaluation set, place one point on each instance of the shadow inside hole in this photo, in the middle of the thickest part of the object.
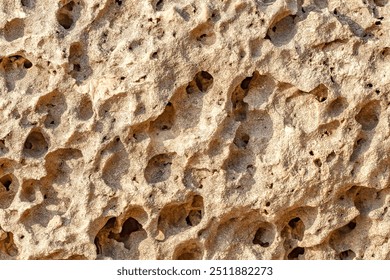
(85, 108)
(53, 105)
(14, 29)
(283, 31)
(361, 145)
(368, 116)
(35, 145)
(241, 140)
(295, 253)
(175, 218)
(204, 33)
(129, 226)
(166, 120)
(264, 236)
(15, 68)
(3, 147)
(6, 181)
(131, 235)
(194, 217)
(159, 5)
(322, 4)
(68, 14)
(240, 107)
(116, 167)
(78, 59)
(28, 3)
(7, 246)
(381, 3)
(29, 187)
(188, 251)
(203, 80)
(347, 255)
(337, 107)
(297, 228)
(158, 168)
(348, 227)
(8, 189)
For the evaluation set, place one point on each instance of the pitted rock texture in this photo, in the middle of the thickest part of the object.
(200, 129)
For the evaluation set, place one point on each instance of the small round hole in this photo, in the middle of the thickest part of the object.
(27, 64)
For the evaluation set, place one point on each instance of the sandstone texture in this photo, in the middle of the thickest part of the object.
(194, 129)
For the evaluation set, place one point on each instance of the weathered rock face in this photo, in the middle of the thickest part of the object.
(201, 129)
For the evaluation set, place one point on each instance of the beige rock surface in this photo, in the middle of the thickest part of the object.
(194, 129)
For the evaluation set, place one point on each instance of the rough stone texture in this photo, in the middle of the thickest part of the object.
(194, 129)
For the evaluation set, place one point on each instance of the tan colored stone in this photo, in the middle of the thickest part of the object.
(200, 129)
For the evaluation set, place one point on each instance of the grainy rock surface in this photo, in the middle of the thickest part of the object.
(194, 129)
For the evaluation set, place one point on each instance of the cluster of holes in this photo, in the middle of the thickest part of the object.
(292, 233)
(173, 218)
(130, 229)
(193, 177)
(61, 165)
(186, 97)
(362, 199)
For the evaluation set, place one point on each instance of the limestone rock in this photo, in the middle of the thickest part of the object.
(199, 129)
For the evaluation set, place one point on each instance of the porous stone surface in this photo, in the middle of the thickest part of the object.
(194, 129)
